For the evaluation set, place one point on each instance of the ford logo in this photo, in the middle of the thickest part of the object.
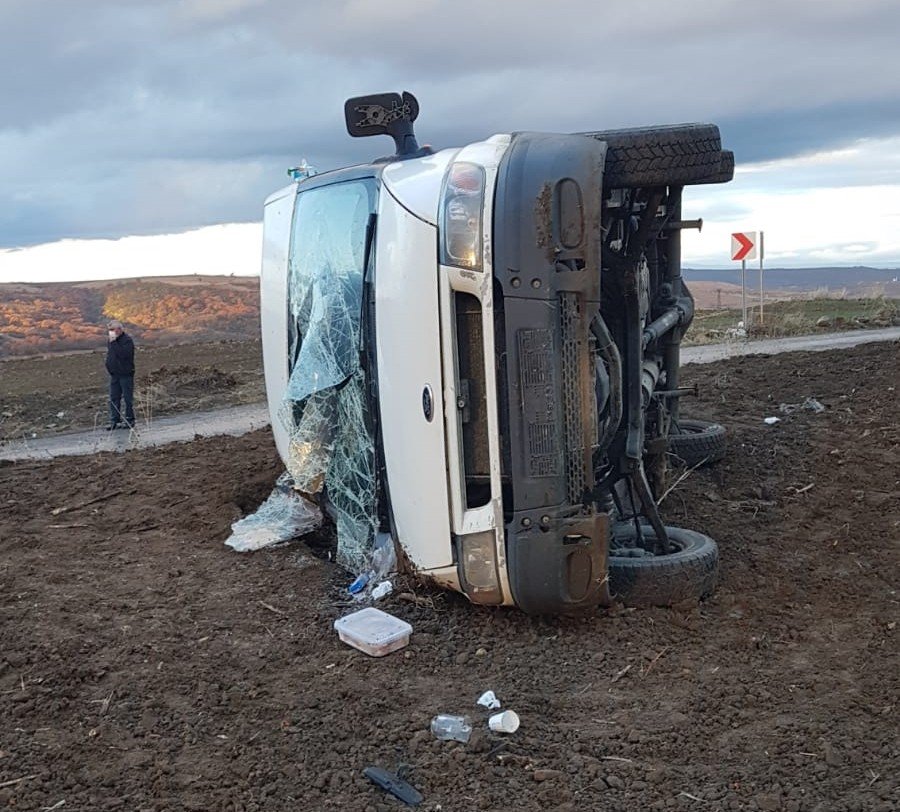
(428, 403)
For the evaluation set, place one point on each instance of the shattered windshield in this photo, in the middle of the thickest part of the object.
(332, 448)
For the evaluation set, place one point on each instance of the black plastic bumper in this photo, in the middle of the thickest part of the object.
(546, 259)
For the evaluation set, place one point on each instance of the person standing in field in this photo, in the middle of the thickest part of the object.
(120, 366)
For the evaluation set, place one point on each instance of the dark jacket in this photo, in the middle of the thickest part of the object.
(120, 356)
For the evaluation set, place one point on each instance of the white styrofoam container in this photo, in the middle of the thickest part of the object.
(375, 632)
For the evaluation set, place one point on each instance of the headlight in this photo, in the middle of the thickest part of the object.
(462, 207)
(478, 567)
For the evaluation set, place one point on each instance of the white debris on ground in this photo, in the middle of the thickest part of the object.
(808, 405)
(489, 700)
(285, 515)
(382, 590)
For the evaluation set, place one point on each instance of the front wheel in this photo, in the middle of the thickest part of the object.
(640, 578)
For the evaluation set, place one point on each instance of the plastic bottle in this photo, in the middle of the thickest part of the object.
(357, 587)
(451, 728)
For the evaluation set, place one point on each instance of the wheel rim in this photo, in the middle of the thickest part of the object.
(616, 550)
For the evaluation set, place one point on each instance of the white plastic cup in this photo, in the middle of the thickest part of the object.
(451, 728)
(505, 722)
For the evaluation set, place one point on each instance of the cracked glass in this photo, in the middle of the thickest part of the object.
(332, 447)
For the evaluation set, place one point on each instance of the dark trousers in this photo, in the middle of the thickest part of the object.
(121, 387)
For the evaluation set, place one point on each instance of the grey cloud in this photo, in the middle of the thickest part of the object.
(778, 133)
(143, 116)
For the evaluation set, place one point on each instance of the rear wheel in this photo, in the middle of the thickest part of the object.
(639, 578)
(696, 442)
(677, 155)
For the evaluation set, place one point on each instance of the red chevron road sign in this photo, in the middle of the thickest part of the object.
(743, 245)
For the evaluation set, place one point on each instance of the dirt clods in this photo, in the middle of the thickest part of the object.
(141, 670)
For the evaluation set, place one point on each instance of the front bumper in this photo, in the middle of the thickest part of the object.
(546, 265)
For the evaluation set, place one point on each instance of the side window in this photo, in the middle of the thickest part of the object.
(325, 280)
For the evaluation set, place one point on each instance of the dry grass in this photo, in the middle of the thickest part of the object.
(797, 317)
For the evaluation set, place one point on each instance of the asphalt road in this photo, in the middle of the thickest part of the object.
(242, 419)
(708, 353)
(181, 428)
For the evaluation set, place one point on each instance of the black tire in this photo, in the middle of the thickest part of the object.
(689, 574)
(678, 155)
(725, 172)
(697, 442)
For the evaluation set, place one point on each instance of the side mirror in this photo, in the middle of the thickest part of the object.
(384, 114)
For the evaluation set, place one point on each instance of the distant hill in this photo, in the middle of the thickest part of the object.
(859, 280)
(59, 317)
(56, 317)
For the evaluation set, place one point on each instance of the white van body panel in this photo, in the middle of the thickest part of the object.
(273, 304)
(417, 183)
(408, 352)
(488, 155)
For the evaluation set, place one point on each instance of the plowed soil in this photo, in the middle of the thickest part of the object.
(56, 394)
(145, 666)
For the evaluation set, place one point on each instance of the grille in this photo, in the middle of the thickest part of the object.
(573, 346)
(536, 352)
(473, 390)
(542, 449)
(536, 367)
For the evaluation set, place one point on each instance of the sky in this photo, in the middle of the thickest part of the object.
(140, 137)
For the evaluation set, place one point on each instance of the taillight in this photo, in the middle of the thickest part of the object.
(462, 207)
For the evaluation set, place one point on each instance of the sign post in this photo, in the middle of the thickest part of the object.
(762, 252)
(744, 293)
(743, 247)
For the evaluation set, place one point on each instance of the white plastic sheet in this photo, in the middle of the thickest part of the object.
(285, 515)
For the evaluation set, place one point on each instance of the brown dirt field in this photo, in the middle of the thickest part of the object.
(169, 380)
(144, 666)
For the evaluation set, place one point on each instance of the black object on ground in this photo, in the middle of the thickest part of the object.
(695, 442)
(391, 782)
